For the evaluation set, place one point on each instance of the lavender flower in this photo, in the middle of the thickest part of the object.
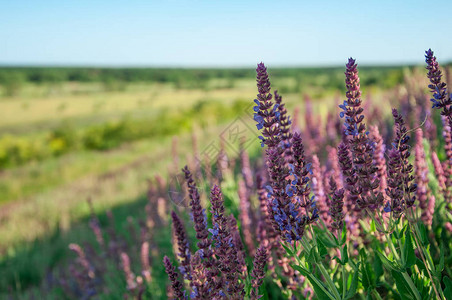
(421, 176)
(267, 114)
(83, 260)
(334, 123)
(351, 180)
(204, 243)
(173, 276)
(439, 172)
(441, 99)
(379, 157)
(319, 191)
(223, 166)
(287, 217)
(284, 127)
(312, 134)
(182, 244)
(283, 202)
(199, 217)
(394, 190)
(225, 246)
(335, 166)
(402, 147)
(237, 240)
(263, 201)
(245, 216)
(337, 206)
(247, 173)
(360, 144)
(95, 225)
(266, 233)
(145, 265)
(427, 216)
(447, 133)
(258, 272)
(301, 170)
(130, 277)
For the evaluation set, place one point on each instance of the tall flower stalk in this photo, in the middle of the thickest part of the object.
(441, 98)
(361, 145)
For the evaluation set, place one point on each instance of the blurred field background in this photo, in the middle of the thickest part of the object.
(72, 134)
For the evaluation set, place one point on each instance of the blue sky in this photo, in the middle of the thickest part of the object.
(222, 33)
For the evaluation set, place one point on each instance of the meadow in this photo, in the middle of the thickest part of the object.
(88, 157)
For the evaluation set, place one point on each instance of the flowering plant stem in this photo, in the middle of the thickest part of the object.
(400, 261)
(423, 253)
(324, 271)
(313, 279)
(325, 283)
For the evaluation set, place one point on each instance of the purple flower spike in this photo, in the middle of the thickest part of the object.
(337, 206)
(173, 276)
(379, 157)
(225, 246)
(258, 272)
(182, 244)
(267, 114)
(401, 145)
(361, 145)
(284, 125)
(197, 211)
(441, 99)
(394, 190)
(350, 178)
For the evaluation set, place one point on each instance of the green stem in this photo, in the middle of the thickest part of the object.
(323, 270)
(431, 265)
(404, 273)
(329, 281)
(344, 282)
(411, 284)
(376, 294)
(312, 277)
(393, 249)
(400, 246)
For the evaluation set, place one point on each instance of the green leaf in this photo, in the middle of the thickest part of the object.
(327, 242)
(448, 288)
(320, 290)
(440, 266)
(378, 267)
(339, 261)
(288, 250)
(344, 234)
(353, 285)
(311, 256)
(336, 242)
(387, 263)
(368, 277)
(408, 251)
(420, 265)
(402, 286)
(423, 233)
(302, 254)
(322, 249)
(398, 234)
(300, 269)
(372, 226)
(344, 255)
